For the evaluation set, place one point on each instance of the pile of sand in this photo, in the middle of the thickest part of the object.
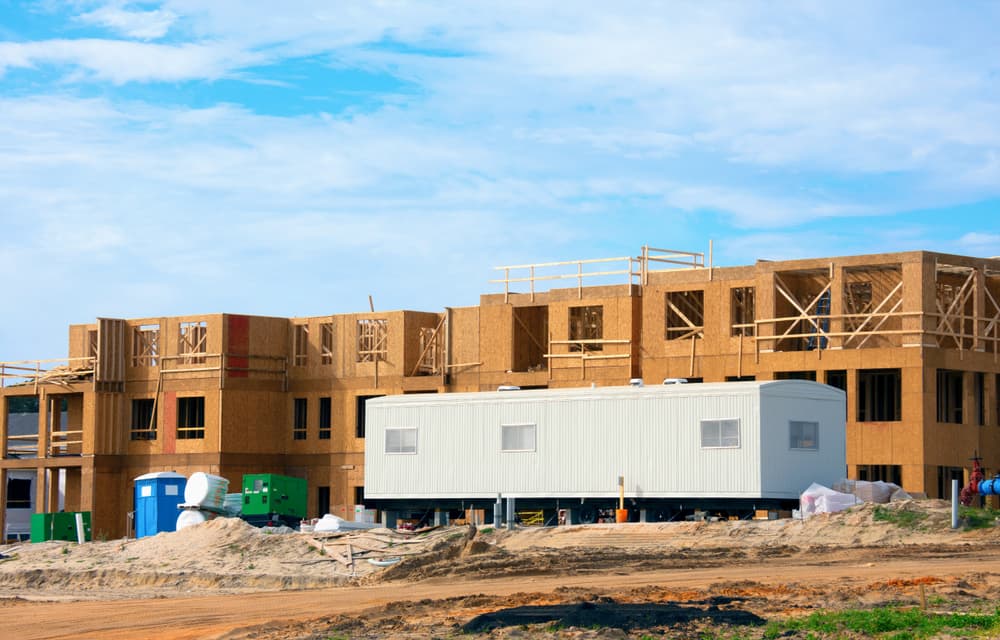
(227, 554)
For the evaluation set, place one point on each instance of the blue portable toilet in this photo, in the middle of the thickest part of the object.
(156, 498)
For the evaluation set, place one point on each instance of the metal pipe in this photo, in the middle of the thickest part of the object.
(510, 514)
(497, 509)
(954, 503)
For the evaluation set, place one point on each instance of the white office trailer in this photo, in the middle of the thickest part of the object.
(729, 447)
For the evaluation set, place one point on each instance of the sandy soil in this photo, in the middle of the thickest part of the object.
(224, 579)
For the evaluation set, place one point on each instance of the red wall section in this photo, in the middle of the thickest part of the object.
(238, 345)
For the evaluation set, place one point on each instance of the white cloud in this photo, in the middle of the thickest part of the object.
(980, 243)
(143, 25)
(528, 133)
(120, 61)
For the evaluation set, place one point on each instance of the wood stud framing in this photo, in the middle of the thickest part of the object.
(372, 343)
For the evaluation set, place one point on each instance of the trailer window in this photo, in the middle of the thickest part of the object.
(716, 434)
(401, 440)
(803, 435)
(517, 437)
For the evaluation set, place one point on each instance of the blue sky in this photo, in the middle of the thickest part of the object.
(184, 157)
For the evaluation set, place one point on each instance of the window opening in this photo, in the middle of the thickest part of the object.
(325, 418)
(586, 324)
(359, 415)
(685, 315)
(300, 416)
(359, 495)
(92, 343)
(945, 476)
(872, 296)
(326, 343)
(740, 378)
(949, 396)
(803, 435)
(322, 501)
(881, 472)
(300, 345)
(143, 419)
(22, 426)
(802, 301)
(517, 437)
(531, 330)
(720, 434)
(372, 340)
(795, 375)
(145, 345)
(837, 378)
(742, 316)
(879, 395)
(430, 351)
(190, 418)
(401, 440)
(193, 341)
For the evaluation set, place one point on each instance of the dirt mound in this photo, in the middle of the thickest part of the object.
(222, 554)
(227, 554)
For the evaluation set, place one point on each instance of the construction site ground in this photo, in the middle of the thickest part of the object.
(727, 579)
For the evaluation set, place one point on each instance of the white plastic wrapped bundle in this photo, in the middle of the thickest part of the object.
(820, 499)
(206, 490)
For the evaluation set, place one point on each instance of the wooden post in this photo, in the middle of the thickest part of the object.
(41, 490)
(739, 358)
(43, 425)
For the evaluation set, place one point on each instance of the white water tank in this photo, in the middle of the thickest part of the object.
(206, 490)
(191, 517)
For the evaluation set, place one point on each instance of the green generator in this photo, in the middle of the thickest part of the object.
(58, 526)
(272, 499)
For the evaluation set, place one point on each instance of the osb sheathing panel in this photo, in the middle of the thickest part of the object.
(465, 342)
(74, 490)
(495, 334)
(340, 439)
(79, 346)
(112, 500)
(111, 417)
(254, 422)
(270, 336)
(559, 295)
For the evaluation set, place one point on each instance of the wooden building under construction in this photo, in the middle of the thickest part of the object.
(913, 338)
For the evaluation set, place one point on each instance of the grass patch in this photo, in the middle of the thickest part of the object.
(974, 518)
(899, 517)
(899, 624)
(486, 531)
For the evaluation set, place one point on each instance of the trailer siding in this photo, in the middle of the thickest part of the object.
(586, 438)
(785, 472)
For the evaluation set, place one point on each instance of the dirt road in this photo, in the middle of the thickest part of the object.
(266, 614)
